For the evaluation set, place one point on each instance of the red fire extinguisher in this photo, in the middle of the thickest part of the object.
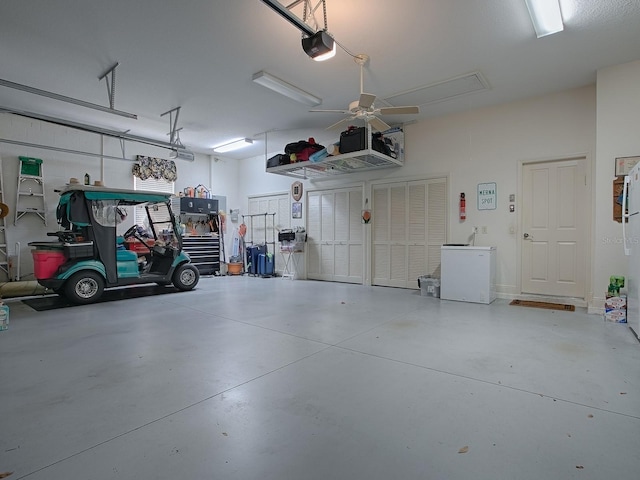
(463, 210)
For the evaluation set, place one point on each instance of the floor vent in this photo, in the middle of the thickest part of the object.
(441, 91)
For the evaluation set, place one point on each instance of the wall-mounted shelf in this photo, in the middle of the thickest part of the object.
(359, 161)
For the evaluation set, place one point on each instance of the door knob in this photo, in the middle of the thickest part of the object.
(527, 236)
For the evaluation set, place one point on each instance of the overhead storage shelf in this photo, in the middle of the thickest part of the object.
(352, 162)
(359, 161)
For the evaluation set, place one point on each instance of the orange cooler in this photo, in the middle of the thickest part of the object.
(46, 262)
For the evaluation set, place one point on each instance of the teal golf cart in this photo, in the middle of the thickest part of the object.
(89, 255)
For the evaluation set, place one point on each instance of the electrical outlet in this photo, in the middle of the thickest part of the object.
(484, 230)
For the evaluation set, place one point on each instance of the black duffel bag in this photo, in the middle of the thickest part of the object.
(302, 149)
(379, 144)
(277, 160)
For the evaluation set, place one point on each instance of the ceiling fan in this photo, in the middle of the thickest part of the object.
(364, 108)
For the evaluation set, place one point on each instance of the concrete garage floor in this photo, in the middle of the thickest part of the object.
(249, 378)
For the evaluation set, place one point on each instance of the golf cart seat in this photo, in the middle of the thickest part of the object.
(126, 256)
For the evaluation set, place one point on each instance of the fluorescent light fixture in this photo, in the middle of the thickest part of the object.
(234, 145)
(284, 88)
(320, 46)
(546, 16)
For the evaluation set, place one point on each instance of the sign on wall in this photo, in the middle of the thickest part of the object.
(487, 196)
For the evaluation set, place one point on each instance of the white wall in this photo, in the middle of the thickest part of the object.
(618, 94)
(488, 145)
(58, 168)
(485, 145)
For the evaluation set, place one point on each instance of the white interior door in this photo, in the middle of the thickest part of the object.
(409, 227)
(334, 235)
(555, 221)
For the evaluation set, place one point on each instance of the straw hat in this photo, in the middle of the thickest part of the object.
(73, 181)
(98, 183)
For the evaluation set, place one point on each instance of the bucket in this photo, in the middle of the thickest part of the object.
(429, 286)
(234, 268)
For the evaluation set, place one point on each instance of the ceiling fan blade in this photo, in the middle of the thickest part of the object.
(399, 110)
(378, 124)
(366, 100)
(342, 123)
(329, 111)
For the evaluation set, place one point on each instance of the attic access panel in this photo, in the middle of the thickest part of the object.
(441, 91)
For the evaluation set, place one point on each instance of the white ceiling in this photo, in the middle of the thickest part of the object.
(201, 54)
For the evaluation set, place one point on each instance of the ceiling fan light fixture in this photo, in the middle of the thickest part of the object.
(320, 46)
(545, 16)
(233, 145)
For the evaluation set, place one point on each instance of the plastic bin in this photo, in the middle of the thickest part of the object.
(138, 246)
(46, 262)
(429, 286)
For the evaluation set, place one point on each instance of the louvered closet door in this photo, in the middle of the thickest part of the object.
(334, 231)
(409, 227)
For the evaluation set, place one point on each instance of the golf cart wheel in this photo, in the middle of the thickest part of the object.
(84, 287)
(186, 277)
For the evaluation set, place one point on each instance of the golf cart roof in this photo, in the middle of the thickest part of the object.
(124, 195)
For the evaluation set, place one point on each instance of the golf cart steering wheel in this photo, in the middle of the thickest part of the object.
(131, 232)
(135, 233)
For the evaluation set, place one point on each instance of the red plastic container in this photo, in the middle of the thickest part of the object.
(137, 246)
(46, 262)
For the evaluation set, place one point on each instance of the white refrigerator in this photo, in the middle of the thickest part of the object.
(631, 242)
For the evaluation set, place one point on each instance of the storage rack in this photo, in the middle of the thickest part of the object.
(329, 167)
(250, 232)
(353, 162)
